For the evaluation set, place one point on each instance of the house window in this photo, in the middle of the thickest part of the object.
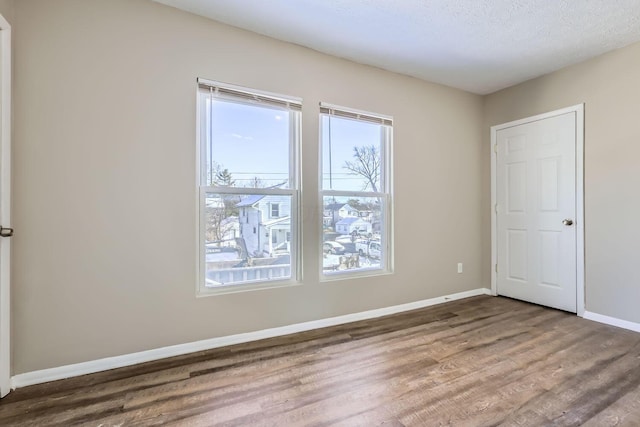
(356, 192)
(248, 165)
(275, 210)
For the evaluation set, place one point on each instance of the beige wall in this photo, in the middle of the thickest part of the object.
(610, 89)
(6, 10)
(104, 195)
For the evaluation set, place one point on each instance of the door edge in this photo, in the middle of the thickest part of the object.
(5, 208)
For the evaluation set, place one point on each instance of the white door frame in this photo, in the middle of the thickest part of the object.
(579, 220)
(5, 207)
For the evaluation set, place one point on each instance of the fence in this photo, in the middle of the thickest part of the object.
(229, 276)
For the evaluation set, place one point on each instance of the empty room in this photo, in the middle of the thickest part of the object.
(319, 213)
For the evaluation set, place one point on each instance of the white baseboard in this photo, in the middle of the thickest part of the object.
(613, 321)
(77, 369)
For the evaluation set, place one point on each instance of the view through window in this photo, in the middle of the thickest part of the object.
(248, 186)
(355, 187)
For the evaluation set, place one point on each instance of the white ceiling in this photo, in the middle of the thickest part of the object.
(477, 45)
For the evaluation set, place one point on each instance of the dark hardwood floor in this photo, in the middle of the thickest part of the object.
(481, 361)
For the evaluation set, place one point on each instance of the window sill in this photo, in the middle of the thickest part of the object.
(346, 274)
(244, 287)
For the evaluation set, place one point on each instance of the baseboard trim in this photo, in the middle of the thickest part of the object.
(90, 367)
(613, 321)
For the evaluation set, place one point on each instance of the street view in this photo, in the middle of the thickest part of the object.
(248, 229)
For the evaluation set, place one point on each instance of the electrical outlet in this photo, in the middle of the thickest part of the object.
(459, 267)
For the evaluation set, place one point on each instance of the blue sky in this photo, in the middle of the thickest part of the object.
(251, 142)
(254, 142)
(345, 134)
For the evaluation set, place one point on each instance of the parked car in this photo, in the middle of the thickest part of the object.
(369, 248)
(331, 247)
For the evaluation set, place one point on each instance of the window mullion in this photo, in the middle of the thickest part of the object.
(248, 190)
(341, 193)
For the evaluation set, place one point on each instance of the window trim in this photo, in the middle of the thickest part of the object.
(385, 192)
(204, 87)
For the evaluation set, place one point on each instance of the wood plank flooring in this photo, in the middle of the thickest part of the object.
(481, 361)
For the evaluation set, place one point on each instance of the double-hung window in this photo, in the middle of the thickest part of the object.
(248, 176)
(355, 192)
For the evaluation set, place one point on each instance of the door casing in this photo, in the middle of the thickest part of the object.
(5, 207)
(579, 220)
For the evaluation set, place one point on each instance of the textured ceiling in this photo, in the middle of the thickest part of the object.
(477, 45)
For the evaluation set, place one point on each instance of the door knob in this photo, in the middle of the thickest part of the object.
(567, 222)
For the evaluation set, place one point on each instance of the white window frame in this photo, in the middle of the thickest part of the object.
(385, 193)
(207, 88)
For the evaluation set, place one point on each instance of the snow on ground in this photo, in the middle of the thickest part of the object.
(223, 256)
(332, 261)
(329, 261)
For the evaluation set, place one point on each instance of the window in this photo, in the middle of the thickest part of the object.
(275, 210)
(355, 192)
(248, 167)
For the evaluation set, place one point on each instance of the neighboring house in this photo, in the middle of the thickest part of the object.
(230, 228)
(265, 223)
(374, 217)
(351, 225)
(337, 211)
(366, 215)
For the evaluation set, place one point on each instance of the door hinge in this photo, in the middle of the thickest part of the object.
(496, 268)
(495, 148)
(495, 208)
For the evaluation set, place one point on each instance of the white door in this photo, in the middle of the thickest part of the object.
(536, 211)
(5, 210)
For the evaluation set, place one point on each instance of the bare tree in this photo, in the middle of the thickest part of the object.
(219, 223)
(256, 182)
(366, 164)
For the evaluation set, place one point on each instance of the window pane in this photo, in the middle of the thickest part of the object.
(243, 241)
(351, 154)
(354, 234)
(246, 145)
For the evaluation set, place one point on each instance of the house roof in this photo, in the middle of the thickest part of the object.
(334, 206)
(338, 206)
(251, 200)
(348, 221)
(255, 198)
